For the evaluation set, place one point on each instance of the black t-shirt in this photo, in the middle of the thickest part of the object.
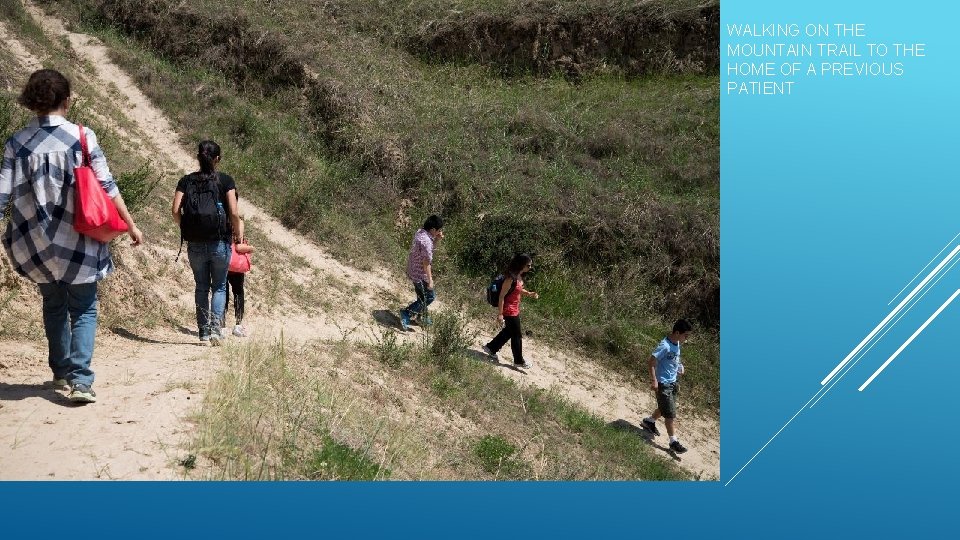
(226, 184)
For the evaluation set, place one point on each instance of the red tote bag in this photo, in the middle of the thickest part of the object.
(94, 214)
(239, 262)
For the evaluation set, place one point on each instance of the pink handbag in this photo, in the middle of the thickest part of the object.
(239, 262)
(94, 214)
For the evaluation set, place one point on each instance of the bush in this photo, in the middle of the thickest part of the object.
(496, 456)
(487, 245)
(390, 351)
(137, 185)
(446, 341)
(336, 461)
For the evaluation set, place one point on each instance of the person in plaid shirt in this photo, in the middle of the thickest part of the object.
(36, 180)
(420, 271)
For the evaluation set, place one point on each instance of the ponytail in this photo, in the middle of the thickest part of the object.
(207, 154)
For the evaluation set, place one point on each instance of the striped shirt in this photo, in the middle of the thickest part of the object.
(421, 251)
(37, 178)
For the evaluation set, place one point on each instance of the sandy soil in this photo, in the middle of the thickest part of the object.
(149, 383)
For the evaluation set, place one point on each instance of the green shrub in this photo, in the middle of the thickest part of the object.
(443, 386)
(577, 419)
(137, 185)
(496, 456)
(390, 350)
(337, 461)
(486, 246)
(446, 340)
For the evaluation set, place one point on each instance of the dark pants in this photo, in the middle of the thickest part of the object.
(511, 331)
(425, 297)
(235, 282)
(667, 399)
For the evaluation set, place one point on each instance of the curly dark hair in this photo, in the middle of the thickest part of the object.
(45, 91)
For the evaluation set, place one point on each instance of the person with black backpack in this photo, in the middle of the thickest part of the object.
(205, 208)
(508, 309)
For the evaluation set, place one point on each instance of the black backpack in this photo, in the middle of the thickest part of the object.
(493, 290)
(203, 218)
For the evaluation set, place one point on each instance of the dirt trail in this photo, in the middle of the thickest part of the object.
(23, 56)
(136, 429)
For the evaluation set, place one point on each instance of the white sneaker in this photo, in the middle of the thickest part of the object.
(216, 339)
(239, 331)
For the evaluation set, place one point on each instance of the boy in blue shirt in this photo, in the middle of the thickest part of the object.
(665, 367)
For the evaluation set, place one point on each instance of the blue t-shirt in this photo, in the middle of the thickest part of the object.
(667, 354)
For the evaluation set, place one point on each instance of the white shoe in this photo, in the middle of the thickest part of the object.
(239, 331)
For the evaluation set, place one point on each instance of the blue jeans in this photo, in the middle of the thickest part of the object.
(425, 297)
(209, 262)
(70, 322)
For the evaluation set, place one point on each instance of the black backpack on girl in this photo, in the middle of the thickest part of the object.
(493, 290)
(203, 218)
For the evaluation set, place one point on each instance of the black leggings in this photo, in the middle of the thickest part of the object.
(511, 331)
(235, 281)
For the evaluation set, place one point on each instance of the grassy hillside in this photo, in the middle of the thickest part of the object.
(403, 411)
(611, 178)
(567, 36)
(326, 409)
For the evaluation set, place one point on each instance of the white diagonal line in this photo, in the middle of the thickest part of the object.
(880, 337)
(910, 340)
(824, 389)
(772, 438)
(922, 269)
(892, 314)
(868, 349)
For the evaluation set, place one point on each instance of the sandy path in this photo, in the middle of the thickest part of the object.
(23, 56)
(606, 393)
(137, 429)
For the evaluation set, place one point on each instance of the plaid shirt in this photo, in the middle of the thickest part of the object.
(37, 176)
(421, 251)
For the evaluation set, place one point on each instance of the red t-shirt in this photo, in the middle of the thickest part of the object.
(511, 302)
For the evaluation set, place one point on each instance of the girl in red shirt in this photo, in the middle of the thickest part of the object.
(508, 311)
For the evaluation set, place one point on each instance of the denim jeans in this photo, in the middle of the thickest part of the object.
(425, 297)
(70, 322)
(209, 262)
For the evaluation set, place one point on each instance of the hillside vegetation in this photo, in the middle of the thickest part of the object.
(337, 116)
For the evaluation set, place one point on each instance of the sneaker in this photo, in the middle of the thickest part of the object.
(405, 320)
(59, 383)
(81, 393)
(490, 353)
(677, 447)
(216, 339)
(239, 331)
(204, 341)
(650, 426)
(526, 364)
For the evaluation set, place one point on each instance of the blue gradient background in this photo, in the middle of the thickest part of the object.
(832, 200)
